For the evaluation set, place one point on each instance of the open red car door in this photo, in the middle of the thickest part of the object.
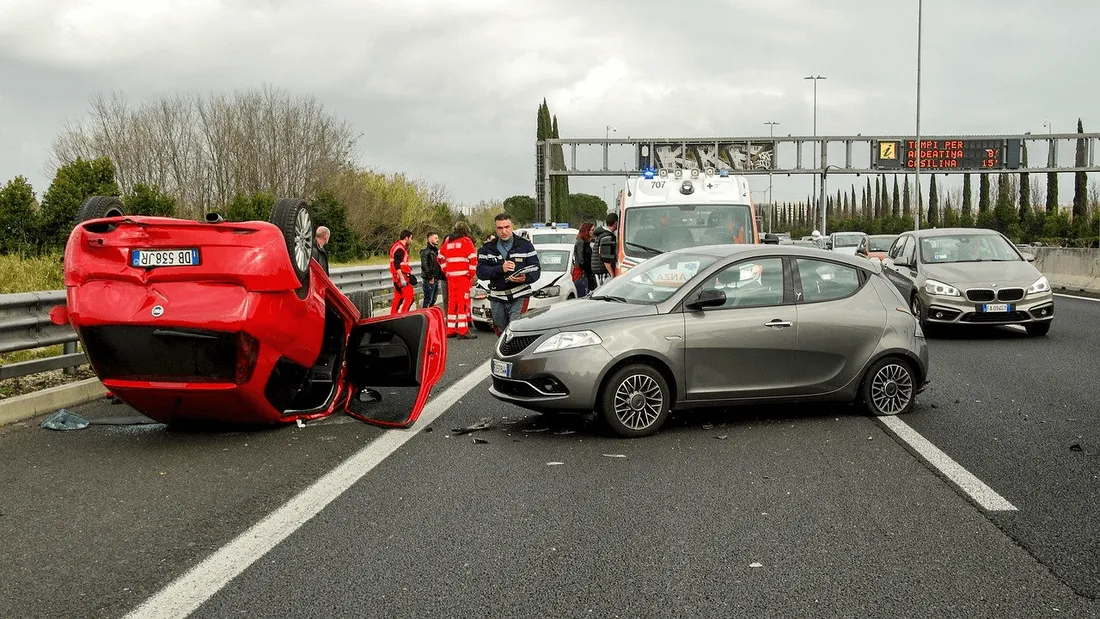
(392, 364)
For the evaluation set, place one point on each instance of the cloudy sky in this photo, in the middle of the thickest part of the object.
(447, 90)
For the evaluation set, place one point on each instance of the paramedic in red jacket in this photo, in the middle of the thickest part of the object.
(458, 257)
(404, 282)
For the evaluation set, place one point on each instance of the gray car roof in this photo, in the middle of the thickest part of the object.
(748, 251)
(931, 232)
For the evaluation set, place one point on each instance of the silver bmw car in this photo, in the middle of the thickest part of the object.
(718, 325)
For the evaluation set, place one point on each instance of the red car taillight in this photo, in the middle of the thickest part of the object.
(248, 350)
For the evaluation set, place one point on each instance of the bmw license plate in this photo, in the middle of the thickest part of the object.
(502, 369)
(996, 307)
(148, 258)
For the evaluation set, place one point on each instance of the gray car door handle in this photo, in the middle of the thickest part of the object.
(778, 323)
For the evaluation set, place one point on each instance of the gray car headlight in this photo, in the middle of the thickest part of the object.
(569, 339)
(1040, 286)
(941, 289)
(549, 291)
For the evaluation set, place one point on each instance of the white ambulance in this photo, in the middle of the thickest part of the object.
(663, 210)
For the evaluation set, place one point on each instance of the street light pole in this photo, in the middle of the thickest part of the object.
(771, 203)
(916, 220)
(815, 78)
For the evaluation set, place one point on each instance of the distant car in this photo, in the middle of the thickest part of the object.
(968, 276)
(717, 325)
(875, 246)
(805, 243)
(235, 322)
(845, 242)
(553, 286)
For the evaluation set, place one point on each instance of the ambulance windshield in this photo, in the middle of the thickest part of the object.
(650, 230)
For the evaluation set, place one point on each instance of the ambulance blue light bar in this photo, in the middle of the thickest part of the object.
(561, 224)
(538, 225)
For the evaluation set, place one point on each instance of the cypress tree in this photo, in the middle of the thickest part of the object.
(968, 200)
(983, 193)
(1052, 192)
(933, 203)
(906, 201)
(1080, 188)
(895, 204)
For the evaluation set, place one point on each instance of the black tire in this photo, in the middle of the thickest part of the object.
(292, 217)
(876, 394)
(918, 311)
(638, 388)
(1038, 329)
(98, 207)
(363, 301)
(483, 326)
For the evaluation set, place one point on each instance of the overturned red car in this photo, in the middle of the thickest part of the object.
(235, 322)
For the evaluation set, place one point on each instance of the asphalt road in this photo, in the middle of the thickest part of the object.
(805, 511)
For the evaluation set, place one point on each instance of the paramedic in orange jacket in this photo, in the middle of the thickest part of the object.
(458, 256)
(404, 282)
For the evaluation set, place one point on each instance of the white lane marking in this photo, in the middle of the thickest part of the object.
(976, 488)
(182, 596)
(1070, 296)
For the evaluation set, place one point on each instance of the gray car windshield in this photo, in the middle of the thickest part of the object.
(882, 243)
(967, 248)
(846, 240)
(551, 238)
(655, 280)
(553, 259)
(650, 230)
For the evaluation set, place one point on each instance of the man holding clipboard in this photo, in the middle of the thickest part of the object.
(510, 264)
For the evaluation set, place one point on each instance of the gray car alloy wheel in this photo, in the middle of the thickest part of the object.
(303, 240)
(638, 402)
(891, 389)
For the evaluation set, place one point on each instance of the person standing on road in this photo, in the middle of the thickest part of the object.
(582, 260)
(604, 247)
(320, 254)
(510, 264)
(430, 270)
(459, 258)
(401, 272)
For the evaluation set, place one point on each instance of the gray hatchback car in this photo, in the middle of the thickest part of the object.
(718, 325)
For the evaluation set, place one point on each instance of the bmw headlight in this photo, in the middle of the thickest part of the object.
(940, 289)
(569, 339)
(1040, 286)
(547, 292)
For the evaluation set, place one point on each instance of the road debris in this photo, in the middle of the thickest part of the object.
(480, 441)
(1076, 447)
(554, 463)
(530, 430)
(756, 564)
(482, 424)
(301, 424)
(65, 420)
(615, 455)
(722, 437)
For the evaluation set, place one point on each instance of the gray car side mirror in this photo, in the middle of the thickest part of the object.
(708, 298)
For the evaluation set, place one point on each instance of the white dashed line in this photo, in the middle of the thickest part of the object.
(1070, 296)
(181, 597)
(982, 494)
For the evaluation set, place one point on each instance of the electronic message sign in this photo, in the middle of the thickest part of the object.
(946, 155)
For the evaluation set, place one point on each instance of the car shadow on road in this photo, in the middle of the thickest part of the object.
(969, 333)
(704, 419)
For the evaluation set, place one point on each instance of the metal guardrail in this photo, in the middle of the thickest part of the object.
(25, 320)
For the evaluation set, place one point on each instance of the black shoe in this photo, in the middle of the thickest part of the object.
(467, 336)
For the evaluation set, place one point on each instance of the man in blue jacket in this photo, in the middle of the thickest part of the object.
(510, 264)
